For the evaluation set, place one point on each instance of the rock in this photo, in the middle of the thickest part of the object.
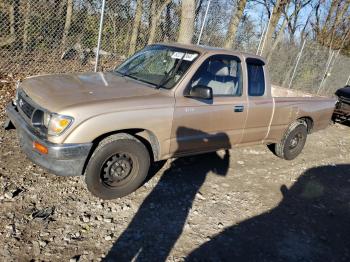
(42, 243)
(200, 196)
(36, 248)
(125, 207)
(187, 227)
(85, 219)
(108, 220)
(43, 213)
(8, 195)
(240, 162)
(108, 238)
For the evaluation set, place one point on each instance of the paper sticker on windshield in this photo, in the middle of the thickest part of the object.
(188, 57)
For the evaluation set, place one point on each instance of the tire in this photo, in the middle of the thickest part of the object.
(118, 166)
(292, 143)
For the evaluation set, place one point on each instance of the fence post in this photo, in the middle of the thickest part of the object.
(100, 35)
(204, 19)
(326, 72)
(261, 38)
(267, 29)
(296, 64)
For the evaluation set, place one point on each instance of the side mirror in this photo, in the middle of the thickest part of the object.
(200, 91)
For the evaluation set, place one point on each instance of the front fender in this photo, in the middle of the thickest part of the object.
(157, 121)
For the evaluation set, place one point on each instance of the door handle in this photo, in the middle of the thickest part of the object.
(238, 109)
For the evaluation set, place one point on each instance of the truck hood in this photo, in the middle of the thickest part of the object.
(56, 92)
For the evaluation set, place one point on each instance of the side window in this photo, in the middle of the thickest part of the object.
(256, 79)
(222, 73)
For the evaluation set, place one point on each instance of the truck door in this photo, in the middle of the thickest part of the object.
(260, 105)
(206, 125)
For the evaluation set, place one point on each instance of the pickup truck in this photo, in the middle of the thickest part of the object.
(165, 101)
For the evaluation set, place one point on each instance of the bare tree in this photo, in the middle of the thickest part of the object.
(278, 10)
(187, 21)
(135, 30)
(26, 24)
(156, 12)
(8, 40)
(331, 32)
(234, 23)
(69, 14)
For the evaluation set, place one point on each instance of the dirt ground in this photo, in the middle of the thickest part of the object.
(241, 205)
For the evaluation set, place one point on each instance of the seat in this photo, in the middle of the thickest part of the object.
(218, 77)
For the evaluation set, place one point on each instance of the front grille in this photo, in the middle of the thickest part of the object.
(26, 108)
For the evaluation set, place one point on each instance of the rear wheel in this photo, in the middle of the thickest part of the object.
(117, 167)
(292, 142)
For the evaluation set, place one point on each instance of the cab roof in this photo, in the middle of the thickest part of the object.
(212, 50)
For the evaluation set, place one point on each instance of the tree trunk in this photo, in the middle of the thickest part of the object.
(276, 14)
(156, 12)
(187, 21)
(234, 23)
(68, 22)
(26, 25)
(135, 30)
(17, 24)
(9, 40)
(152, 31)
(277, 40)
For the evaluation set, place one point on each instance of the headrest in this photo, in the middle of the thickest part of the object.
(218, 69)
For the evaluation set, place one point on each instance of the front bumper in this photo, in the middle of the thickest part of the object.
(61, 159)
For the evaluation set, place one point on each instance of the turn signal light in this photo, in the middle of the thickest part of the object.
(42, 149)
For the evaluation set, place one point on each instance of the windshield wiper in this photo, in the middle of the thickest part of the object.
(170, 74)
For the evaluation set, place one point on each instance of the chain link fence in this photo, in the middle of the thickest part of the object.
(54, 36)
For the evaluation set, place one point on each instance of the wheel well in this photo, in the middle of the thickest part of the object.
(309, 123)
(145, 136)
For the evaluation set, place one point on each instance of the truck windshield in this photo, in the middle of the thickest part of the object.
(161, 66)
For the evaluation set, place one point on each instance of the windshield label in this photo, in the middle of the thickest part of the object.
(188, 57)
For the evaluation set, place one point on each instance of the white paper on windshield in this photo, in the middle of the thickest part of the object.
(188, 57)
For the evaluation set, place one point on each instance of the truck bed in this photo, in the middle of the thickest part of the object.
(278, 91)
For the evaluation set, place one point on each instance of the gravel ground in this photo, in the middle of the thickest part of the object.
(242, 205)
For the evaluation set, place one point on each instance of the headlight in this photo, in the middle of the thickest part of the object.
(46, 119)
(58, 124)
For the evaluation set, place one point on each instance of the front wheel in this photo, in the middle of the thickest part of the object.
(117, 167)
(292, 142)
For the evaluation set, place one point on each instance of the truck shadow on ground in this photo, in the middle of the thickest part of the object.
(159, 222)
(311, 223)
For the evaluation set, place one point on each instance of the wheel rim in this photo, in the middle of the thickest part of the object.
(117, 169)
(294, 142)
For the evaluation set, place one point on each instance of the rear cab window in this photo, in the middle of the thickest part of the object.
(256, 77)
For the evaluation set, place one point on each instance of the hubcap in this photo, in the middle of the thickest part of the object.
(295, 140)
(116, 169)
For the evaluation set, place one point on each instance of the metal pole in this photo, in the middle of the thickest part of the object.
(100, 34)
(325, 73)
(267, 29)
(331, 65)
(296, 64)
(205, 18)
(261, 38)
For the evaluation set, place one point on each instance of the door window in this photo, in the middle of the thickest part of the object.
(222, 73)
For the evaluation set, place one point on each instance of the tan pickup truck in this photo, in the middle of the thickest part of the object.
(167, 100)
